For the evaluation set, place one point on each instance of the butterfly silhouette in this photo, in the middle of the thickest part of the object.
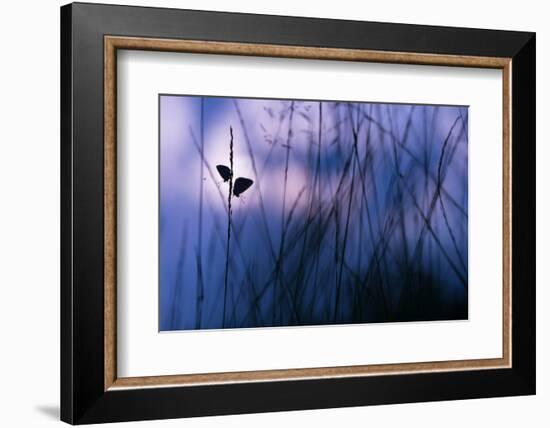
(241, 184)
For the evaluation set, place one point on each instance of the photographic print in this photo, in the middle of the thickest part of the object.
(288, 212)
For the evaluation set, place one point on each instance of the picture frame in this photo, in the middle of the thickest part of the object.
(91, 389)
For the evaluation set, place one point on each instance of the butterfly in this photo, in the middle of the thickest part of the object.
(241, 183)
(224, 171)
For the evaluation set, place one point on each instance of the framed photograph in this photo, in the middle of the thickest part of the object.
(265, 213)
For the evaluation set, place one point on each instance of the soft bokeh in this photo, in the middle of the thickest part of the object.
(358, 213)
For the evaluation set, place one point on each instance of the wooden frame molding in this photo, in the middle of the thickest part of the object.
(113, 43)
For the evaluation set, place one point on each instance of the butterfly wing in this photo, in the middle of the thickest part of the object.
(224, 171)
(241, 184)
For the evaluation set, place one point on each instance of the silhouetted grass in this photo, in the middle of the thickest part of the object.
(375, 231)
(229, 196)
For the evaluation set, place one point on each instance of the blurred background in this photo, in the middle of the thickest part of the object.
(358, 212)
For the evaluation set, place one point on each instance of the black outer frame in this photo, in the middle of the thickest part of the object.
(83, 399)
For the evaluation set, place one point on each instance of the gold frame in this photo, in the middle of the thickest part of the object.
(112, 43)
